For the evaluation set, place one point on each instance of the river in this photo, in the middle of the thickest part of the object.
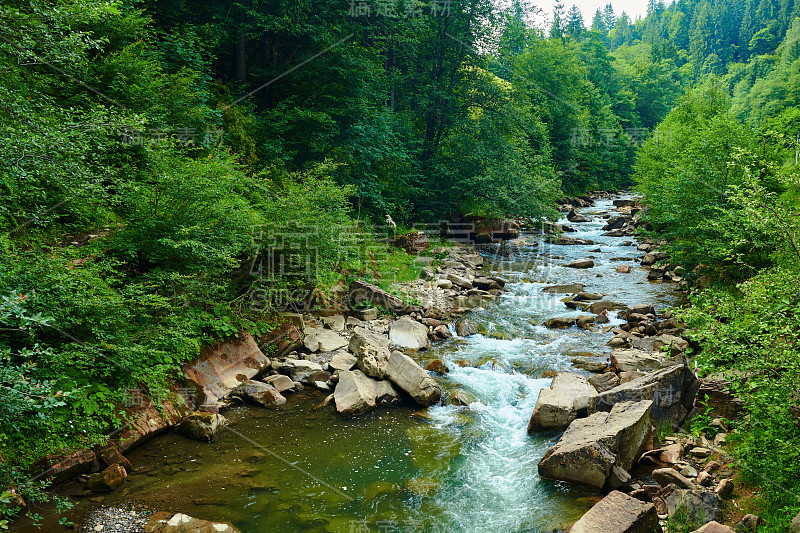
(448, 469)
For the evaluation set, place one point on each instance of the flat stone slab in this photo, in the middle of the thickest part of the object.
(592, 447)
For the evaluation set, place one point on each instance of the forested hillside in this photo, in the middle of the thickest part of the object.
(145, 145)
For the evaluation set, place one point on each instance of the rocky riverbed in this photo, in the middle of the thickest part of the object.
(433, 407)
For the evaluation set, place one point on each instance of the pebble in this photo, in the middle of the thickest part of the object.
(121, 519)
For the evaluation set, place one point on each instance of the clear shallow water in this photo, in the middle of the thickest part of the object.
(442, 469)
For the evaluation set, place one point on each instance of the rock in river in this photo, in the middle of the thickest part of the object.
(408, 333)
(582, 264)
(559, 322)
(260, 393)
(107, 480)
(355, 393)
(592, 447)
(411, 378)
(202, 426)
(164, 522)
(559, 405)
(672, 391)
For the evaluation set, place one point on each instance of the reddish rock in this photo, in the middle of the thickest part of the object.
(145, 422)
(223, 367)
(437, 366)
(64, 469)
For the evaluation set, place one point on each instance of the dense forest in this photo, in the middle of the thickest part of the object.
(146, 144)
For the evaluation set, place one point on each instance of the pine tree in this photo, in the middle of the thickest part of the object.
(599, 23)
(575, 26)
(609, 17)
(557, 29)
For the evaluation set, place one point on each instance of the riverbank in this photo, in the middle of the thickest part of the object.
(499, 366)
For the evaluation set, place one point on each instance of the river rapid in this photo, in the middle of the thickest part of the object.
(444, 469)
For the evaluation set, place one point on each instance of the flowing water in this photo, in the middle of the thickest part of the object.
(395, 470)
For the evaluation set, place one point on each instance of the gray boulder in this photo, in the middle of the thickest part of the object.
(665, 476)
(280, 382)
(574, 288)
(343, 361)
(672, 391)
(412, 379)
(591, 447)
(618, 513)
(604, 382)
(634, 360)
(363, 294)
(408, 333)
(300, 370)
(323, 340)
(559, 405)
(582, 264)
(355, 393)
(698, 506)
(259, 393)
(202, 426)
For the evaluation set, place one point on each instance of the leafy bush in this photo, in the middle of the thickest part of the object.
(750, 333)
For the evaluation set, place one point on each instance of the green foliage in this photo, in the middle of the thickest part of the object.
(687, 173)
(187, 215)
(750, 333)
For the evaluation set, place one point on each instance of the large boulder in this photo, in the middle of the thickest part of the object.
(343, 361)
(618, 513)
(300, 370)
(574, 216)
(562, 403)
(616, 223)
(221, 368)
(355, 393)
(323, 340)
(362, 295)
(259, 393)
(695, 505)
(716, 527)
(412, 379)
(110, 455)
(591, 448)
(672, 391)
(363, 336)
(372, 352)
(280, 382)
(107, 480)
(202, 426)
(581, 264)
(466, 327)
(408, 333)
(665, 476)
(634, 360)
(164, 522)
(604, 382)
